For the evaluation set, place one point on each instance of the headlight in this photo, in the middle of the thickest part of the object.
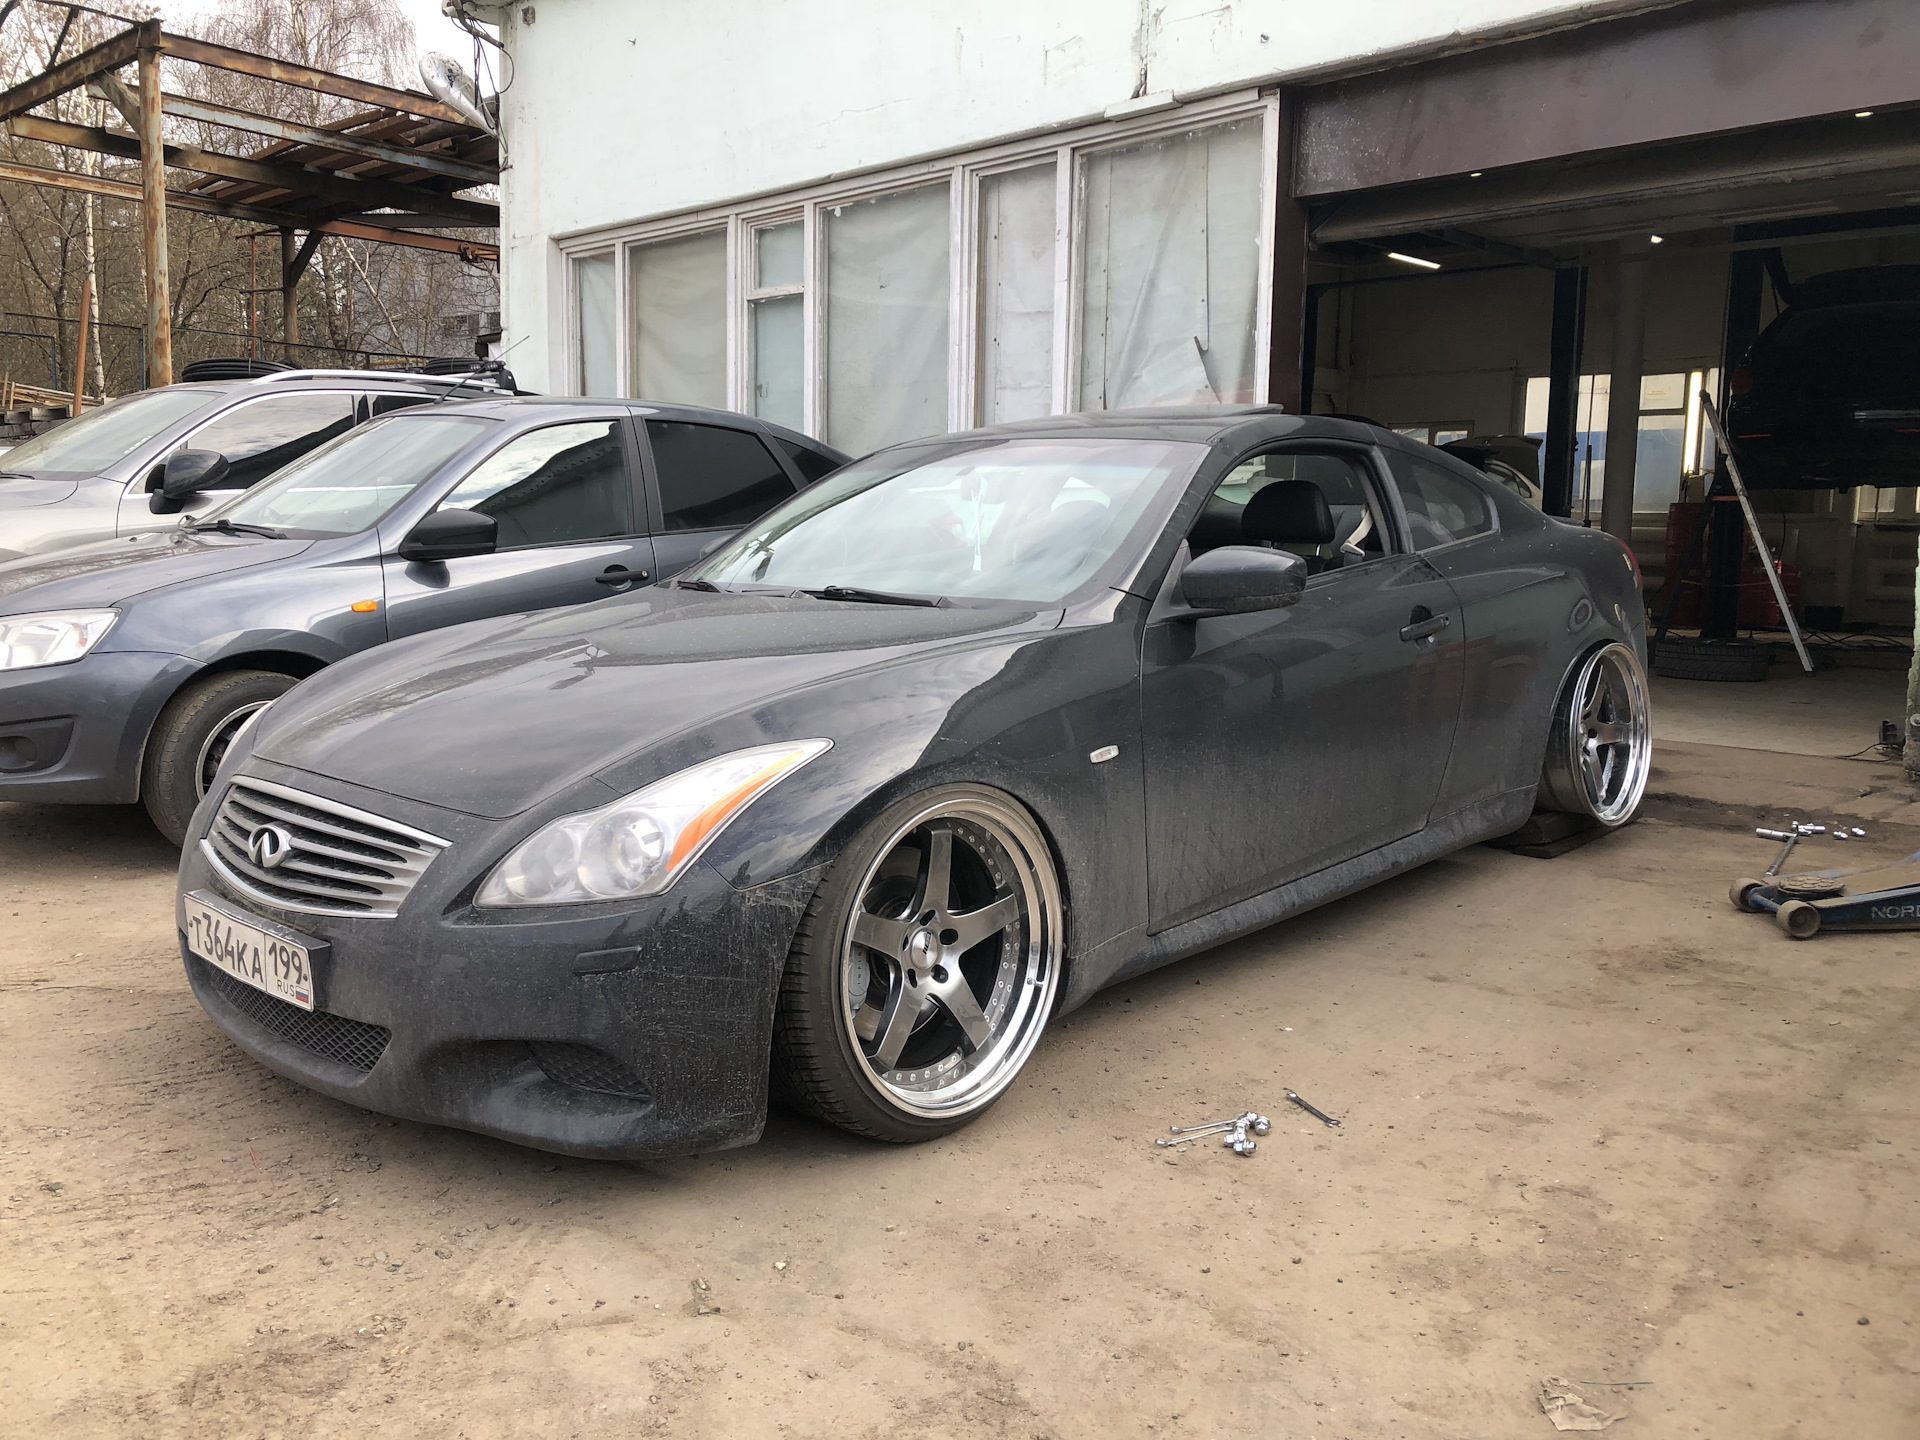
(640, 845)
(52, 639)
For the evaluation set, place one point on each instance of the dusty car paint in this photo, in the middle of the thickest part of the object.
(483, 735)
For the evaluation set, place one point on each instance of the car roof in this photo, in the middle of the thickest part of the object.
(522, 407)
(1204, 424)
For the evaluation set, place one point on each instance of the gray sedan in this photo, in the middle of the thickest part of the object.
(128, 667)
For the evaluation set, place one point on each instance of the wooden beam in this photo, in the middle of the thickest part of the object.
(153, 215)
(297, 134)
(110, 55)
(359, 230)
(200, 52)
(292, 179)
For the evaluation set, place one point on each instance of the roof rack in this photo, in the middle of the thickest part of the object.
(471, 377)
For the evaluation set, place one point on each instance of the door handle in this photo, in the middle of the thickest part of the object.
(1422, 623)
(620, 575)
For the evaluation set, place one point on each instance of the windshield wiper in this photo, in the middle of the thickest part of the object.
(707, 585)
(231, 527)
(873, 597)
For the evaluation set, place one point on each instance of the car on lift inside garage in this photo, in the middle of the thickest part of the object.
(1829, 396)
(127, 667)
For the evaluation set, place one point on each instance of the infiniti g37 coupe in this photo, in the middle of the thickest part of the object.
(925, 756)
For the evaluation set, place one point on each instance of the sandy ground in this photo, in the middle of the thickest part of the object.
(1597, 1126)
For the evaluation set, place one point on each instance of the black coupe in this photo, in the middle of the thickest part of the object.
(927, 755)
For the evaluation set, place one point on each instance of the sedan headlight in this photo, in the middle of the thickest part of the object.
(55, 638)
(640, 845)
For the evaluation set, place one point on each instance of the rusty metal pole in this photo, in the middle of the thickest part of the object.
(289, 295)
(153, 212)
(80, 357)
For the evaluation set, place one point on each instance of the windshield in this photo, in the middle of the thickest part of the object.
(348, 484)
(95, 439)
(1030, 521)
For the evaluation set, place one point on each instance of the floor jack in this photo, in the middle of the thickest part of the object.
(1884, 897)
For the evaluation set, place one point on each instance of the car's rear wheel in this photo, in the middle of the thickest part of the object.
(192, 737)
(1600, 749)
(925, 970)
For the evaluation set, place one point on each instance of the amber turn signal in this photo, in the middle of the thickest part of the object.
(365, 607)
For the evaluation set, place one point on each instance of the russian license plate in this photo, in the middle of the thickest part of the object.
(248, 950)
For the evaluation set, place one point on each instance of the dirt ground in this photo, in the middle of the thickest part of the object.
(1597, 1126)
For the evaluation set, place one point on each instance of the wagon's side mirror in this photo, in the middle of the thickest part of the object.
(1240, 579)
(187, 473)
(450, 535)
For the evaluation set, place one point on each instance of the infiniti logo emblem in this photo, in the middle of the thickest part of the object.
(269, 846)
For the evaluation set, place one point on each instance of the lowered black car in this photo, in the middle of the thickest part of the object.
(936, 749)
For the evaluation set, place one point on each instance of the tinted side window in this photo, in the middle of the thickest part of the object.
(260, 436)
(1441, 507)
(811, 464)
(566, 482)
(713, 478)
(378, 405)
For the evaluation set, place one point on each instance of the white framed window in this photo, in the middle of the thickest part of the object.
(1120, 264)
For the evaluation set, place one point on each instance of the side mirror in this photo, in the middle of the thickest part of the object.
(1240, 579)
(187, 473)
(451, 534)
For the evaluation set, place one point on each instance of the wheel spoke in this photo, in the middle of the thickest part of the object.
(978, 925)
(1596, 697)
(936, 875)
(905, 1005)
(886, 938)
(958, 998)
(1605, 734)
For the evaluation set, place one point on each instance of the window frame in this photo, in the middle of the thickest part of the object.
(1461, 471)
(962, 171)
(637, 512)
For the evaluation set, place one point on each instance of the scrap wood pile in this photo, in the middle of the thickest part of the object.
(28, 409)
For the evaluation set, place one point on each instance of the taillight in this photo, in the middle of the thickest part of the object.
(1740, 380)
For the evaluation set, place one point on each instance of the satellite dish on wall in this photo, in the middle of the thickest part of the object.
(451, 85)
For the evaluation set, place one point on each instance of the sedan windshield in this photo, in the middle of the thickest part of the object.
(348, 484)
(90, 442)
(1026, 520)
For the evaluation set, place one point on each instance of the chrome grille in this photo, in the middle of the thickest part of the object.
(336, 861)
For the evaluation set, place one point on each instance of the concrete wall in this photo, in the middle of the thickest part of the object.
(624, 109)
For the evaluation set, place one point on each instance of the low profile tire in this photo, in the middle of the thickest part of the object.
(1600, 747)
(192, 737)
(926, 968)
(1741, 893)
(1798, 919)
(1744, 661)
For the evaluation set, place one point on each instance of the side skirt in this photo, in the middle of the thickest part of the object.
(1135, 953)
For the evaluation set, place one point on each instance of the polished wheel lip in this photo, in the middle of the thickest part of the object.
(1018, 1019)
(229, 730)
(1602, 759)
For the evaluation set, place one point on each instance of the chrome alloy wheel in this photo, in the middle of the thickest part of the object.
(214, 749)
(952, 958)
(1601, 751)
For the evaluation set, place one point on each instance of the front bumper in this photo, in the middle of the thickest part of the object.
(624, 1033)
(97, 711)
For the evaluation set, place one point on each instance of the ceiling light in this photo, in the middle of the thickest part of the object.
(1658, 239)
(1475, 174)
(1413, 260)
(1861, 114)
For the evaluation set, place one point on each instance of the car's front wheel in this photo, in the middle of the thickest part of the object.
(192, 737)
(1600, 748)
(926, 968)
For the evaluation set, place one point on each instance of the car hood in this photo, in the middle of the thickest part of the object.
(22, 492)
(117, 570)
(491, 718)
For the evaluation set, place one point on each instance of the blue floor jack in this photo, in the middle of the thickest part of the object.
(1884, 897)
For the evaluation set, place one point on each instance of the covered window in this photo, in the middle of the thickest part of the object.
(594, 318)
(677, 320)
(1120, 264)
(1170, 271)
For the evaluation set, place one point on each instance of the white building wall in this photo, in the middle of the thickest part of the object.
(619, 110)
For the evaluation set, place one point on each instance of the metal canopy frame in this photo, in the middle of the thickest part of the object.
(383, 173)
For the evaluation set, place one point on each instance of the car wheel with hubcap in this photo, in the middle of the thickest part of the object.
(1600, 749)
(192, 737)
(925, 969)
